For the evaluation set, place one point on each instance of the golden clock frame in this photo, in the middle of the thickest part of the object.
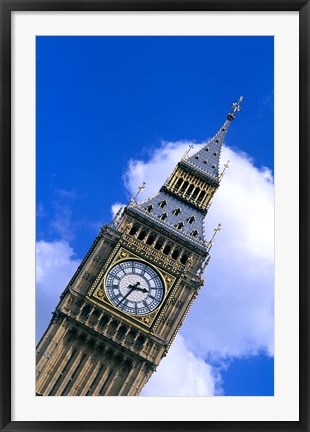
(97, 294)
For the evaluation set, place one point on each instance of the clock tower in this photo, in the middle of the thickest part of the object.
(124, 305)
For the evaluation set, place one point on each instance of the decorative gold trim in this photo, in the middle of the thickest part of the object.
(155, 255)
(121, 317)
(102, 271)
(190, 304)
(181, 173)
(97, 290)
(165, 306)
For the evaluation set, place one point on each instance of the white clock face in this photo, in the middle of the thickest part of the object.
(134, 287)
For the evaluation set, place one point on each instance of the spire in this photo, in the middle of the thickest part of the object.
(236, 108)
(207, 159)
(183, 201)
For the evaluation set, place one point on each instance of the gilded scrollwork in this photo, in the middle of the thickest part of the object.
(150, 252)
(97, 292)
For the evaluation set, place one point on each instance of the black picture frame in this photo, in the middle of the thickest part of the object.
(9, 6)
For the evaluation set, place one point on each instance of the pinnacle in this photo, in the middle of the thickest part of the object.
(207, 159)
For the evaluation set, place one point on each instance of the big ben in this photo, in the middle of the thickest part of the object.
(124, 305)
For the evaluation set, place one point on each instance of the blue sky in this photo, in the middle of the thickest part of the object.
(105, 101)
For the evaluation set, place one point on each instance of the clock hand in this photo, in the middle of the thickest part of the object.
(132, 288)
(144, 290)
(129, 292)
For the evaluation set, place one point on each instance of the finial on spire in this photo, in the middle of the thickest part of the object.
(224, 170)
(216, 230)
(140, 188)
(236, 108)
(185, 156)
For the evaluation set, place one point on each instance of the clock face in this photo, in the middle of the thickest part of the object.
(134, 287)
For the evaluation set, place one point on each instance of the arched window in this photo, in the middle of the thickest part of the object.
(184, 186)
(163, 216)
(190, 189)
(134, 229)
(112, 326)
(149, 208)
(184, 258)
(139, 342)
(85, 311)
(131, 335)
(142, 234)
(178, 184)
(150, 238)
(159, 243)
(191, 219)
(104, 321)
(162, 204)
(201, 196)
(95, 314)
(167, 249)
(196, 192)
(179, 225)
(176, 211)
(194, 233)
(175, 253)
(121, 332)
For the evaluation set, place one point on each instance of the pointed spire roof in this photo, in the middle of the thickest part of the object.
(207, 159)
(180, 212)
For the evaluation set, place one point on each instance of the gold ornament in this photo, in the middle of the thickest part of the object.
(128, 227)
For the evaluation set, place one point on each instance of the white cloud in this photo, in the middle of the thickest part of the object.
(183, 374)
(233, 315)
(156, 170)
(62, 222)
(55, 265)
